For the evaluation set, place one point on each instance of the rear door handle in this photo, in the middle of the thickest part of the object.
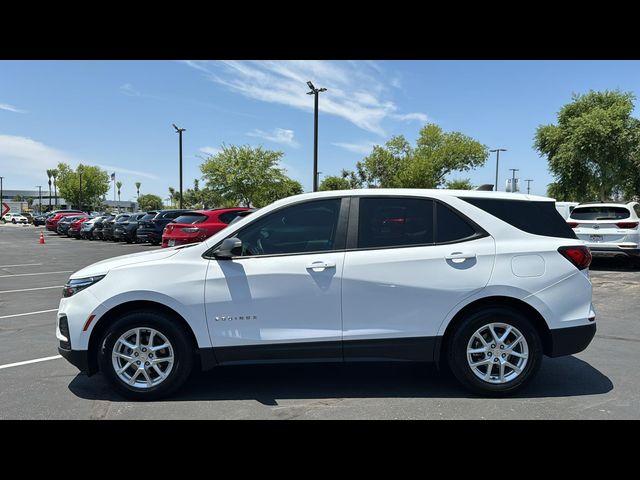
(458, 257)
(319, 266)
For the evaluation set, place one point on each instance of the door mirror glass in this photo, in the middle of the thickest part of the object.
(229, 248)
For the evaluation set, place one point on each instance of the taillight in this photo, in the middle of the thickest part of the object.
(580, 256)
(627, 224)
(573, 224)
(190, 229)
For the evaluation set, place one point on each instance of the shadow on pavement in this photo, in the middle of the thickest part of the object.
(559, 377)
(613, 265)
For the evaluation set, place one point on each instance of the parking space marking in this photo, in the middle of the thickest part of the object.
(20, 265)
(29, 274)
(28, 313)
(30, 289)
(27, 362)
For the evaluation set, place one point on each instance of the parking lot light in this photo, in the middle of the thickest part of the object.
(497, 150)
(315, 92)
(179, 132)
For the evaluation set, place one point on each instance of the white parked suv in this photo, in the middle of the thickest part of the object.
(609, 229)
(14, 218)
(484, 282)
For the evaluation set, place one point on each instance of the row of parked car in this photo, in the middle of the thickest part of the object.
(167, 227)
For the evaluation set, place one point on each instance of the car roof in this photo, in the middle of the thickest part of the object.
(434, 193)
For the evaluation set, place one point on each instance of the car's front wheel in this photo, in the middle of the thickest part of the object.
(495, 351)
(146, 355)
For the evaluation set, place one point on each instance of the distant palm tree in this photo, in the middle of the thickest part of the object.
(172, 195)
(138, 189)
(54, 174)
(118, 186)
(49, 174)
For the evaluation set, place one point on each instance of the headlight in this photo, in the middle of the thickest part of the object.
(75, 285)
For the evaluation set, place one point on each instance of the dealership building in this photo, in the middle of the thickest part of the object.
(10, 195)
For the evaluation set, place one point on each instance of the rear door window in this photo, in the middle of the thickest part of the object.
(395, 222)
(600, 213)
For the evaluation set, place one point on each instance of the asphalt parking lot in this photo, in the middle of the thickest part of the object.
(602, 382)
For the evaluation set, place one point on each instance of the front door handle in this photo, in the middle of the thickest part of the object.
(320, 266)
(459, 257)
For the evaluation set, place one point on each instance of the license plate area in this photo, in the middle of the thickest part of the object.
(596, 238)
(172, 243)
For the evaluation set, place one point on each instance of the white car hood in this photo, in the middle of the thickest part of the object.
(102, 267)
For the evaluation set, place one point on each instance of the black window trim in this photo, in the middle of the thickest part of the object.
(341, 231)
(352, 234)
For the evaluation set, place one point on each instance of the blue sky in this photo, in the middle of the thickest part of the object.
(118, 114)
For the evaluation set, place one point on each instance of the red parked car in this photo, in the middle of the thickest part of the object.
(52, 223)
(196, 226)
(74, 228)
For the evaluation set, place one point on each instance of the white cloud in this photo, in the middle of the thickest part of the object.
(356, 91)
(364, 148)
(210, 150)
(278, 135)
(11, 108)
(137, 173)
(127, 89)
(406, 117)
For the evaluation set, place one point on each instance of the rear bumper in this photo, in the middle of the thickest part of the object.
(148, 236)
(570, 340)
(613, 251)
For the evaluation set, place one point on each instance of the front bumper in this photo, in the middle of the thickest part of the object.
(570, 340)
(78, 358)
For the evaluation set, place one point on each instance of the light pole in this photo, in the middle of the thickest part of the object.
(179, 131)
(1, 197)
(80, 206)
(318, 179)
(513, 179)
(528, 180)
(497, 150)
(315, 92)
(39, 199)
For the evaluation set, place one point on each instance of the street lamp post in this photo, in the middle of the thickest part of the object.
(179, 131)
(80, 206)
(513, 179)
(497, 150)
(315, 92)
(1, 197)
(528, 180)
(39, 199)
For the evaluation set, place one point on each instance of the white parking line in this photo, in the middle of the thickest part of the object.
(20, 265)
(28, 313)
(27, 362)
(29, 274)
(30, 289)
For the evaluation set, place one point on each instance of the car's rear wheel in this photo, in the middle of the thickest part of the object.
(146, 355)
(495, 351)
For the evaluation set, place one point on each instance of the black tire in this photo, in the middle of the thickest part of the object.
(457, 350)
(183, 353)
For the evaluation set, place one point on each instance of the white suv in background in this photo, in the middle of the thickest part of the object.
(14, 218)
(608, 229)
(484, 282)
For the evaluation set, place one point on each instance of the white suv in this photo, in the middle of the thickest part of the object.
(608, 229)
(483, 282)
(14, 218)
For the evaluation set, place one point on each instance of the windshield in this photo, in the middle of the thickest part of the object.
(600, 213)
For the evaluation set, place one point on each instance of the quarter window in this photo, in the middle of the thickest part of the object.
(308, 227)
(394, 222)
(451, 227)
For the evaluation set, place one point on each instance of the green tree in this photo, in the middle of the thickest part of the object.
(18, 198)
(334, 183)
(172, 196)
(138, 184)
(118, 186)
(95, 183)
(437, 154)
(148, 202)
(459, 184)
(248, 176)
(593, 149)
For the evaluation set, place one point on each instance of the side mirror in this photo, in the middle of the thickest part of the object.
(228, 249)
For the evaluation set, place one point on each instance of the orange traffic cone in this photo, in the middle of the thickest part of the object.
(41, 238)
